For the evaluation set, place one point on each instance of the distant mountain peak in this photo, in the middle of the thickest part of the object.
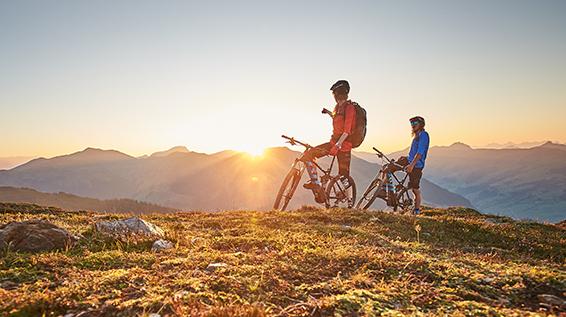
(460, 145)
(92, 152)
(175, 149)
(553, 145)
(549, 143)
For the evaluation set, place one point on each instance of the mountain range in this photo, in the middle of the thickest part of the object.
(74, 202)
(521, 183)
(184, 179)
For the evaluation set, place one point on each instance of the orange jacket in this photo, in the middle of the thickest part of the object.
(343, 122)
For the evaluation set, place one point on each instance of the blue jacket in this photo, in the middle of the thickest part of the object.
(419, 145)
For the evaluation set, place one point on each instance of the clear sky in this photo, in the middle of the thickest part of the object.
(142, 76)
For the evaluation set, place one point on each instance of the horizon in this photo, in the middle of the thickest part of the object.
(490, 146)
(141, 77)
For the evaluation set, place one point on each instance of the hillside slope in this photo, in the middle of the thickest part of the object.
(185, 180)
(73, 202)
(305, 263)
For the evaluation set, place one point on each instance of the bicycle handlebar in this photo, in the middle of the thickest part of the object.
(292, 141)
(381, 155)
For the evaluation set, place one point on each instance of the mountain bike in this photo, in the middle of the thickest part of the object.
(337, 194)
(388, 186)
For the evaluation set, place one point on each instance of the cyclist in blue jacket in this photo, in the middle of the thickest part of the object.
(417, 158)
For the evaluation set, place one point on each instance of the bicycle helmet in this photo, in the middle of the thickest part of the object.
(417, 119)
(341, 87)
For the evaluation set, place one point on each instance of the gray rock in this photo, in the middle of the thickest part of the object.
(495, 221)
(552, 300)
(129, 227)
(160, 245)
(35, 236)
(215, 266)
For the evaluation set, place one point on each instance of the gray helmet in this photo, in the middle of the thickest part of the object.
(341, 86)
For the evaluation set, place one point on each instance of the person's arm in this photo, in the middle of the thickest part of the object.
(348, 124)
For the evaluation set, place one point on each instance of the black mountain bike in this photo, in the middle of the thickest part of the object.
(393, 189)
(337, 195)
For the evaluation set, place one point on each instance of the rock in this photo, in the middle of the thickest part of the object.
(214, 266)
(129, 227)
(35, 236)
(160, 245)
(8, 285)
(552, 300)
(495, 221)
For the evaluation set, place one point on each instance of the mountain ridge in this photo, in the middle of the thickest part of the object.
(187, 180)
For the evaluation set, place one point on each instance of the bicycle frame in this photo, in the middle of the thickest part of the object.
(398, 184)
(326, 172)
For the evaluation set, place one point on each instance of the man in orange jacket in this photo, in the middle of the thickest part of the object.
(343, 123)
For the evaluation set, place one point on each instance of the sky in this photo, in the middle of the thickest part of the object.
(143, 76)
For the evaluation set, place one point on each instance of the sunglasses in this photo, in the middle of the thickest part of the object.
(414, 123)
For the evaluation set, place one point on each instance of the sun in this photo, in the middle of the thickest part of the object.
(253, 151)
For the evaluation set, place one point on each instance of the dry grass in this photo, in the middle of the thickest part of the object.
(305, 263)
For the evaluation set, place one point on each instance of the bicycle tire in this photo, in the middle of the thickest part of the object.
(404, 208)
(371, 190)
(290, 181)
(330, 186)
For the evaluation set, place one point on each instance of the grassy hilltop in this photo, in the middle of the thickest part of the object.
(305, 263)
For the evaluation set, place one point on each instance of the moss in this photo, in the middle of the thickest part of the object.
(321, 262)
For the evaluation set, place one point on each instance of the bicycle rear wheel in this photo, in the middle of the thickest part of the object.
(370, 194)
(404, 201)
(340, 196)
(287, 189)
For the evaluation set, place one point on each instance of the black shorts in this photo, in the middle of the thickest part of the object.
(321, 150)
(415, 178)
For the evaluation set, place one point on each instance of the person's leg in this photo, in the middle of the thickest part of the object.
(315, 152)
(344, 159)
(414, 184)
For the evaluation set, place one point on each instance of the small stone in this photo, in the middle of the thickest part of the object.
(8, 285)
(346, 227)
(154, 315)
(214, 266)
(161, 244)
(495, 221)
(194, 240)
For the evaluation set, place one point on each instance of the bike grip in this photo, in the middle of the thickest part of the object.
(375, 149)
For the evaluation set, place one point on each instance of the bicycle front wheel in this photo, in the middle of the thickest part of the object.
(339, 194)
(287, 189)
(370, 194)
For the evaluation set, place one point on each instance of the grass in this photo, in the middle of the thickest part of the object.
(308, 262)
